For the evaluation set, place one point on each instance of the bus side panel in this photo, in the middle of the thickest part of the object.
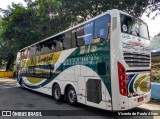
(94, 64)
(138, 80)
(115, 54)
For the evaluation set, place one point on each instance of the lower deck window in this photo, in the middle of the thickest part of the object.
(41, 71)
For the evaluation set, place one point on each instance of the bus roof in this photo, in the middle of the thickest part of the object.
(75, 27)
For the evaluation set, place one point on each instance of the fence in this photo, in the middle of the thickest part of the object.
(6, 74)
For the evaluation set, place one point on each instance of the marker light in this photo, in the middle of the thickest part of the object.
(122, 79)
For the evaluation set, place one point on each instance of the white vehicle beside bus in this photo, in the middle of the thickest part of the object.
(104, 62)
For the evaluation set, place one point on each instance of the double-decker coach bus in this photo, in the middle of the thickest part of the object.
(103, 62)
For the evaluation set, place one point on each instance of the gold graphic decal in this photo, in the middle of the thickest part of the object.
(34, 80)
(142, 83)
(46, 59)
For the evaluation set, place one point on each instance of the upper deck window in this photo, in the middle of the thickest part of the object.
(24, 53)
(133, 26)
(101, 27)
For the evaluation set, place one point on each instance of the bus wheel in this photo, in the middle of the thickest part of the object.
(21, 83)
(71, 96)
(56, 92)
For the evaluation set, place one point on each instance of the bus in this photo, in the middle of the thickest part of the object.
(104, 62)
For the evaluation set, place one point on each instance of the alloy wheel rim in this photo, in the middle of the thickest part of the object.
(72, 96)
(57, 93)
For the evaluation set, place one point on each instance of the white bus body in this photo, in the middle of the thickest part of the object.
(107, 68)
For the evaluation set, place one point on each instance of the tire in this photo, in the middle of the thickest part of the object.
(21, 83)
(71, 96)
(56, 93)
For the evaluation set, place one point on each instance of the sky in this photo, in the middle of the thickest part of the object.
(5, 3)
(153, 25)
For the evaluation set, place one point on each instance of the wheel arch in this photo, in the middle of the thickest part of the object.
(67, 86)
(54, 85)
(19, 80)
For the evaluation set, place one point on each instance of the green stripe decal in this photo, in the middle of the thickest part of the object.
(90, 56)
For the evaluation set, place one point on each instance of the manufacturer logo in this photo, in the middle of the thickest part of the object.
(6, 113)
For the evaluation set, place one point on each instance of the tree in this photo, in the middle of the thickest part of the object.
(90, 8)
(154, 6)
(22, 26)
(17, 31)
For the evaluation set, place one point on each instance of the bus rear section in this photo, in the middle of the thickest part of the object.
(134, 87)
(130, 62)
(130, 88)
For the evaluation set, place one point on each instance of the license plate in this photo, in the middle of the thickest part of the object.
(140, 99)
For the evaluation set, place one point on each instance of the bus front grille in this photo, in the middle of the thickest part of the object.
(133, 59)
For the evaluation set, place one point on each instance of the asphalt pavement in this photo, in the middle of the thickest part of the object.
(12, 97)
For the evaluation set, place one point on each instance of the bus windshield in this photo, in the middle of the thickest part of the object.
(133, 26)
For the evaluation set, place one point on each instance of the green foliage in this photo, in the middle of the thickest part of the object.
(154, 6)
(155, 72)
(22, 26)
(16, 32)
(90, 8)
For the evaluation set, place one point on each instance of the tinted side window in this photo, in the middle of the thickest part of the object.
(58, 46)
(80, 36)
(101, 27)
(47, 49)
(48, 46)
(29, 71)
(39, 49)
(38, 71)
(59, 43)
(74, 40)
(77, 37)
(24, 53)
(67, 40)
(32, 51)
(88, 33)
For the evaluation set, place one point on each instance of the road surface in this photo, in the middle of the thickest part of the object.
(12, 97)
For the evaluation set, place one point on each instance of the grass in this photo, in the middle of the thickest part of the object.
(155, 72)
